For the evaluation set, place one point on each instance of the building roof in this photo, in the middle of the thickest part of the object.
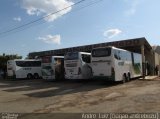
(133, 45)
(156, 49)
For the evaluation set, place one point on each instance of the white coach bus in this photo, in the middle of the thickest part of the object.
(53, 67)
(116, 64)
(29, 68)
(78, 65)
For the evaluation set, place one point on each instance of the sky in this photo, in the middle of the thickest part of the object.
(89, 22)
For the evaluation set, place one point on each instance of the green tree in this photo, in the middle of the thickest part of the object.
(4, 58)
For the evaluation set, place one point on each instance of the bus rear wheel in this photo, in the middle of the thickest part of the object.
(129, 77)
(14, 76)
(29, 76)
(124, 78)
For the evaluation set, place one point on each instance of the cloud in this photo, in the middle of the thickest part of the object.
(56, 39)
(17, 19)
(46, 7)
(23, 45)
(112, 33)
(133, 8)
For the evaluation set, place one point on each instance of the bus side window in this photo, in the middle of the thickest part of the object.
(123, 55)
(55, 60)
(36, 63)
(120, 57)
(116, 55)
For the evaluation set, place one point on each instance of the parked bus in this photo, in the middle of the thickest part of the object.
(29, 68)
(77, 65)
(53, 67)
(116, 64)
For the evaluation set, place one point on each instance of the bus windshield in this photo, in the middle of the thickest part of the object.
(101, 52)
(71, 56)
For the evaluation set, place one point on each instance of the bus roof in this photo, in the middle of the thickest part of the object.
(58, 56)
(110, 47)
(54, 56)
(79, 52)
(25, 60)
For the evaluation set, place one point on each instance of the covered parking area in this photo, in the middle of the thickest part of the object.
(138, 45)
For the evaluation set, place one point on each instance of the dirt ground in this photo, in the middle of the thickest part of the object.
(39, 96)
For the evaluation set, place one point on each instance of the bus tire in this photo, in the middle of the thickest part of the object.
(14, 76)
(36, 76)
(124, 78)
(129, 77)
(29, 76)
(90, 73)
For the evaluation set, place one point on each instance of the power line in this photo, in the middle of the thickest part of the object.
(41, 18)
(24, 27)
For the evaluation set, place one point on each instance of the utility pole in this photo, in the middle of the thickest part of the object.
(143, 62)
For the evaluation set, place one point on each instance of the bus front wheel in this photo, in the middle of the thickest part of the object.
(36, 76)
(29, 76)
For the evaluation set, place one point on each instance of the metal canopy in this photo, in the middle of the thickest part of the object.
(133, 45)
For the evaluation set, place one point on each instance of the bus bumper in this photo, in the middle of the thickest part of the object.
(11, 77)
(48, 77)
(72, 77)
(108, 78)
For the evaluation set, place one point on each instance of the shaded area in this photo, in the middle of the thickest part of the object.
(42, 88)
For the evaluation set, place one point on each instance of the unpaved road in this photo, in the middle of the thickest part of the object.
(41, 96)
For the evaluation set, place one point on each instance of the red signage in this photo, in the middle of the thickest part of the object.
(46, 59)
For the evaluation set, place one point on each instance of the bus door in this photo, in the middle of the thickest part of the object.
(59, 68)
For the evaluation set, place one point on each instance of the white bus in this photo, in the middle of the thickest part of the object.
(78, 65)
(53, 67)
(116, 64)
(29, 68)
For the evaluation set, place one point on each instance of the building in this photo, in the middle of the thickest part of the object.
(138, 45)
(156, 58)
